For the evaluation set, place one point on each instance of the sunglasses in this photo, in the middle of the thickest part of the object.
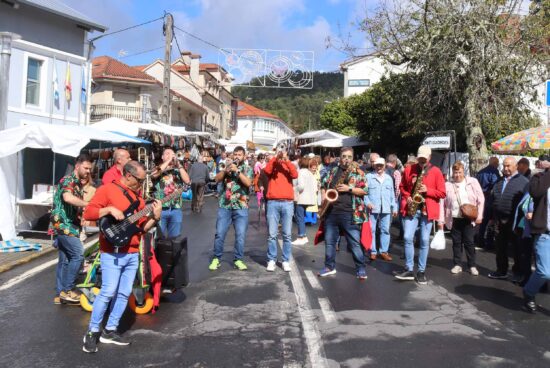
(139, 180)
(347, 156)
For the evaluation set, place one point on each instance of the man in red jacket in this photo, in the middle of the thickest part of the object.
(431, 190)
(280, 207)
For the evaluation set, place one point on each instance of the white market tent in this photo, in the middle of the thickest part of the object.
(61, 139)
(321, 135)
(337, 142)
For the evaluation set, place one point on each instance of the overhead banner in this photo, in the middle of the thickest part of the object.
(438, 142)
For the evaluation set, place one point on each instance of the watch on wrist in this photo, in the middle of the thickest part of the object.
(350, 190)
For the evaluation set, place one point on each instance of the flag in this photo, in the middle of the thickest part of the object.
(83, 87)
(55, 85)
(68, 88)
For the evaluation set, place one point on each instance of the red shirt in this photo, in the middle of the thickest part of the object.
(112, 174)
(111, 195)
(435, 184)
(280, 174)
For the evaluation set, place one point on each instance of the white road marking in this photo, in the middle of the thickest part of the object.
(313, 280)
(30, 273)
(328, 311)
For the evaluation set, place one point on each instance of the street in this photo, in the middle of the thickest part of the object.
(255, 318)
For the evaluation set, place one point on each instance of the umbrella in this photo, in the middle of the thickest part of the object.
(537, 138)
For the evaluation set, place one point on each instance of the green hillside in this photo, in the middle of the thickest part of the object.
(299, 108)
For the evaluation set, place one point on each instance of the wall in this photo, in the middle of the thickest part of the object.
(371, 69)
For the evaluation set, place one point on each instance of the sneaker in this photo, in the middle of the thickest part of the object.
(361, 274)
(498, 275)
(240, 265)
(214, 264)
(286, 266)
(326, 272)
(529, 303)
(405, 276)
(113, 337)
(474, 271)
(270, 266)
(298, 241)
(56, 300)
(69, 297)
(90, 342)
(456, 269)
(421, 278)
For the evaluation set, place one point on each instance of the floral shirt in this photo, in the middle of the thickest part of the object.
(166, 184)
(355, 179)
(235, 196)
(65, 218)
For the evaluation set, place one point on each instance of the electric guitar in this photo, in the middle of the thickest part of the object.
(119, 233)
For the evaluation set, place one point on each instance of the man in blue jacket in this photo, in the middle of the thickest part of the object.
(487, 178)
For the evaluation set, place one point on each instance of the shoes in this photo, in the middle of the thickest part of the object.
(90, 342)
(286, 266)
(56, 300)
(529, 303)
(474, 271)
(70, 297)
(372, 256)
(498, 275)
(113, 337)
(270, 266)
(421, 278)
(214, 264)
(386, 257)
(326, 272)
(405, 276)
(240, 265)
(361, 274)
(456, 269)
(300, 241)
(516, 278)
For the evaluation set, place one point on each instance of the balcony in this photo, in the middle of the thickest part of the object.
(101, 112)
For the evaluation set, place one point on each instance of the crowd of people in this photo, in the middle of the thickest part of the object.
(498, 210)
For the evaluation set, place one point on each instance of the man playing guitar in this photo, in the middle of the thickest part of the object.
(118, 266)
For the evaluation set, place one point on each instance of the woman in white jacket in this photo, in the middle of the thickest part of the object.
(305, 195)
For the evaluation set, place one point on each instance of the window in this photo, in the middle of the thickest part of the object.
(34, 71)
(359, 82)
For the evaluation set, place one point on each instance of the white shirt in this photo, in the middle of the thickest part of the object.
(463, 194)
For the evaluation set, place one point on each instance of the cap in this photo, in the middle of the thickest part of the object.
(379, 161)
(311, 155)
(424, 151)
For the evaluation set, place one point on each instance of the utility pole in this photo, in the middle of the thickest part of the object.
(6, 39)
(168, 34)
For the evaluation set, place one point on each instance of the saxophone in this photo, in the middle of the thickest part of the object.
(331, 195)
(417, 198)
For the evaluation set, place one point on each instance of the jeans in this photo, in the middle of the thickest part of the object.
(300, 220)
(542, 260)
(279, 211)
(170, 222)
(410, 224)
(239, 218)
(384, 219)
(462, 234)
(70, 261)
(334, 224)
(198, 196)
(118, 274)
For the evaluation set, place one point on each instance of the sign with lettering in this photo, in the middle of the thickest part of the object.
(438, 142)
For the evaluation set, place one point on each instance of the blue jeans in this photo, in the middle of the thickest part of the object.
(410, 224)
(239, 218)
(542, 261)
(170, 222)
(334, 224)
(118, 274)
(70, 259)
(300, 220)
(279, 211)
(385, 220)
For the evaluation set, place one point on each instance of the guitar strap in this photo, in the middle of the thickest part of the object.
(128, 196)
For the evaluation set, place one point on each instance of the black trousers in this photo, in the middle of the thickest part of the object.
(462, 234)
(506, 237)
(525, 256)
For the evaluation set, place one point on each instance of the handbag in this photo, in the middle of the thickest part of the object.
(469, 211)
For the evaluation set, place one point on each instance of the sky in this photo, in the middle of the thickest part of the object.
(295, 25)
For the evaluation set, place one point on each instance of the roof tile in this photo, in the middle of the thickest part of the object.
(105, 67)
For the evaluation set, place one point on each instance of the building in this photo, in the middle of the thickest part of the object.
(260, 127)
(51, 44)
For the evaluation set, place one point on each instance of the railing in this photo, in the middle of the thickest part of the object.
(101, 112)
(187, 126)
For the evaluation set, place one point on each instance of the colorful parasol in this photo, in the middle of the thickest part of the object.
(527, 140)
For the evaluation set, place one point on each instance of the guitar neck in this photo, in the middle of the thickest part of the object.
(149, 208)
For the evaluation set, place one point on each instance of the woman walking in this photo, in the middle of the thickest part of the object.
(305, 195)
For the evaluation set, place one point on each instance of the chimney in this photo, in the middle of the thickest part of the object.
(195, 67)
(186, 57)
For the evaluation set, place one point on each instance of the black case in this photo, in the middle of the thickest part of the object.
(173, 259)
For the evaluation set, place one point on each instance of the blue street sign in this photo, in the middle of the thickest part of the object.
(548, 93)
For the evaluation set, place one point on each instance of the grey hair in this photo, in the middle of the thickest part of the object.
(132, 167)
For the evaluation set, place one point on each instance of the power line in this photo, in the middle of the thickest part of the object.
(141, 52)
(125, 29)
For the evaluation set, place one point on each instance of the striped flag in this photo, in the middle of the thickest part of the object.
(83, 86)
(55, 84)
(68, 87)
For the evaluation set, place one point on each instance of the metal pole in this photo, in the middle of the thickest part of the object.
(6, 39)
(89, 83)
(168, 29)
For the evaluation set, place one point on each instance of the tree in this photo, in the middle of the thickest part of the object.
(336, 117)
(476, 62)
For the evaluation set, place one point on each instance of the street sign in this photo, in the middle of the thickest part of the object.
(548, 93)
(438, 142)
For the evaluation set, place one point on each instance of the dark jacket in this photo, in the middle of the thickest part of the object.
(538, 188)
(487, 178)
(505, 203)
(199, 173)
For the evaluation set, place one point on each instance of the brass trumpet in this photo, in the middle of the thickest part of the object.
(180, 155)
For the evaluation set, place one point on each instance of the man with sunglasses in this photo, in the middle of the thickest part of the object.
(118, 267)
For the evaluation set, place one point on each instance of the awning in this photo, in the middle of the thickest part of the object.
(335, 143)
(320, 134)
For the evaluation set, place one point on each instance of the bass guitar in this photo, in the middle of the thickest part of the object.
(119, 233)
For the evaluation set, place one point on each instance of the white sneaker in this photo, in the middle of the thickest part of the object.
(298, 241)
(474, 271)
(305, 240)
(456, 269)
(286, 266)
(270, 266)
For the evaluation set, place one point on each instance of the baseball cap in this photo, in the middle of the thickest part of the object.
(424, 151)
(379, 161)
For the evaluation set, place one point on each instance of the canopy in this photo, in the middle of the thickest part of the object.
(125, 127)
(181, 131)
(537, 138)
(320, 134)
(337, 142)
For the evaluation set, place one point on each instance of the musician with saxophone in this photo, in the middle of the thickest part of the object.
(422, 188)
(169, 176)
(343, 211)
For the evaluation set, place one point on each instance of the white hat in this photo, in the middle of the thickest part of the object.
(424, 151)
(379, 161)
(311, 155)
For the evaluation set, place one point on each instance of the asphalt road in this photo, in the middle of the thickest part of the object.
(229, 318)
